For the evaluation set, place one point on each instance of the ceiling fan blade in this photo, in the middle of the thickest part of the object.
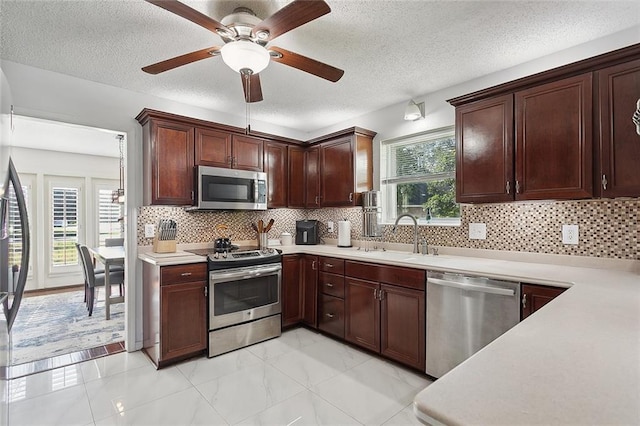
(178, 61)
(192, 15)
(305, 64)
(292, 16)
(255, 88)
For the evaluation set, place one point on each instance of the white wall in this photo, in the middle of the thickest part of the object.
(36, 168)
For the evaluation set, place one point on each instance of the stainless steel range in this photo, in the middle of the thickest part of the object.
(244, 297)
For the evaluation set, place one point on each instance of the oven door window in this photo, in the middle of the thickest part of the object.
(250, 293)
(227, 189)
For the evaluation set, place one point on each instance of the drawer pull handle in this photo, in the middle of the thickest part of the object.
(329, 265)
(330, 315)
(524, 300)
(313, 265)
(185, 274)
(329, 285)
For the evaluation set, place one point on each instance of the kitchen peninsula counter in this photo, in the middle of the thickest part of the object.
(576, 361)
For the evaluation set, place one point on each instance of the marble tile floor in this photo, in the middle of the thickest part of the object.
(300, 378)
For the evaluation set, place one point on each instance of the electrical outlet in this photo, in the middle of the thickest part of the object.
(149, 230)
(477, 231)
(330, 226)
(570, 234)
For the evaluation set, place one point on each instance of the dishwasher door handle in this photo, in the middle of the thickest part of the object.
(472, 287)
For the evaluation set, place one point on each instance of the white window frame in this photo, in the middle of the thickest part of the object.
(69, 182)
(102, 184)
(388, 186)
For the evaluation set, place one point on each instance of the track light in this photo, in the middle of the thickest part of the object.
(414, 111)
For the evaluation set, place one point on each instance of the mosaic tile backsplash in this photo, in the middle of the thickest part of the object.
(608, 228)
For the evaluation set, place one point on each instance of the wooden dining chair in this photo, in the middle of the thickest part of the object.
(95, 279)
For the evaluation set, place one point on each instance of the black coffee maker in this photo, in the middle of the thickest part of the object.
(307, 232)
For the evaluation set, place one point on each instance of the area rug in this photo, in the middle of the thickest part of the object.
(58, 324)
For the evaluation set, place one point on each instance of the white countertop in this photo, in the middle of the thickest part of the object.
(576, 361)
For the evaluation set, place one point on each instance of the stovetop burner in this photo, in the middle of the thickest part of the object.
(238, 258)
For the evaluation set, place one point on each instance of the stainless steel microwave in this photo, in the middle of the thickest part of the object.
(230, 189)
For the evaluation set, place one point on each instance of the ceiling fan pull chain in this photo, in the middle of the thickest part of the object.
(247, 101)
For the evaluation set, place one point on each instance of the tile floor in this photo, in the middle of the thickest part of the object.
(300, 378)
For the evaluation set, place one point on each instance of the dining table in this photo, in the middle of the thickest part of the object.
(109, 256)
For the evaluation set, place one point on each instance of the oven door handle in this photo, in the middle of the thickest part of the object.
(244, 274)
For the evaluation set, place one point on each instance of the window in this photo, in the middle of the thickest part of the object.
(419, 177)
(64, 214)
(109, 215)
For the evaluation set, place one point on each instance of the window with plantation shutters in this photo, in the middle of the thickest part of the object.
(64, 215)
(15, 226)
(109, 216)
(419, 177)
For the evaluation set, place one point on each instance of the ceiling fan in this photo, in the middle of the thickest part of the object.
(246, 37)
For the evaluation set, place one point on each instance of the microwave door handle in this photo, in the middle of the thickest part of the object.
(256, 191)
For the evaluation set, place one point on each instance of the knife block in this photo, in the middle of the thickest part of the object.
(164, 246)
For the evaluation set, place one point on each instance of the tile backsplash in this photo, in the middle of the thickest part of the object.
(608, 228)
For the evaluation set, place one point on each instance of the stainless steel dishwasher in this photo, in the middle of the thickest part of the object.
(464, 314)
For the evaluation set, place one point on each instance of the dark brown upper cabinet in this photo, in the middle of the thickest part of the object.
(570, 130)
(484, 150)
(275, 165)
(167, 163)
(223, 149)
(619, 148)
(296, 177)
(554, 140)
(312, 177)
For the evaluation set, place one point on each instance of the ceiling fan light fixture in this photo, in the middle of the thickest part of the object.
(414, 111)
(243, 54)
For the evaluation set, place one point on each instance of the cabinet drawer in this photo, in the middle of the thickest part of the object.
(331, 264)
(332, 284)
(331, 315)
(176, 274)
(405, 277)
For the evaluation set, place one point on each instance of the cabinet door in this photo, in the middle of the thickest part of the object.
(310, 290)
(554, 140)
(535, 297)
(296, 178)
(247, 153)
(183, 320)
(362, 313)
(291, 290)
(336, 165)
(402, 329)
(275, 165)
(171, 162)
(484, 151)
(619, 143)
(331, 315)
(312, 177)
(213, 148)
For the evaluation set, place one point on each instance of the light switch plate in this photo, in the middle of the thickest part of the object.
(570, 234)
(477, 231)
(149, 230)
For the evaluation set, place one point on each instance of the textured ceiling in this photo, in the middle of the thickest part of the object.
(390, 50)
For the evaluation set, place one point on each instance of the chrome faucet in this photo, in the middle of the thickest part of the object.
(415, 230)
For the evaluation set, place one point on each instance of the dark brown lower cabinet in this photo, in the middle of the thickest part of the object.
(184, 319)
(536, 296)
(291, 291)
(310, 290)
(331, 315)
(383, 317)
(174, 311)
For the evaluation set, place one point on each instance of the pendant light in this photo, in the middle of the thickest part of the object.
(117, 196)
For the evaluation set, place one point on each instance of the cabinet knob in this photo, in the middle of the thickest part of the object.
(330, 315)
(517, 187)
(206, 291)
(524, 300)
(604, 182)
(185, 274)
(329, 285)
(329, 265)
(351, 197)
(508, 187)
(313, 265)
